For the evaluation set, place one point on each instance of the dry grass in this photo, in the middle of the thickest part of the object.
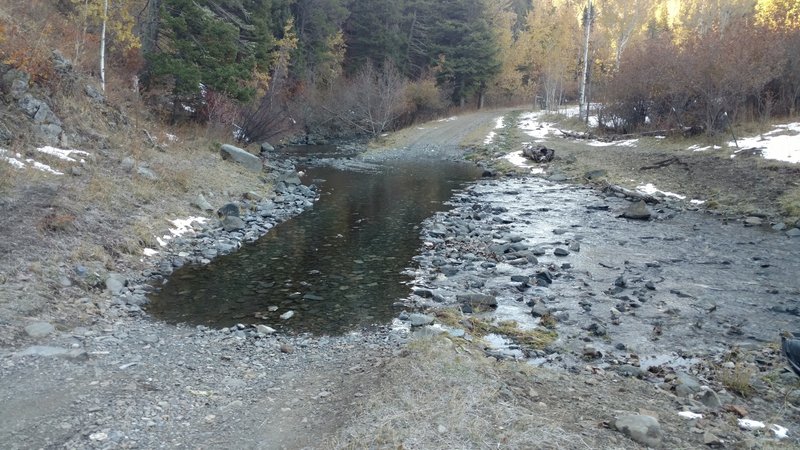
(442, 396)
(738, 379)
(790, 202)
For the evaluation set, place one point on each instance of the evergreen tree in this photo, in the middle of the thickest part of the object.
(465, 46)
(201, 49)
(320, 50)
(373, 34)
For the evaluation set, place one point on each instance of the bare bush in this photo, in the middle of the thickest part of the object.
(265, 118)
(703, 84)
(378, 98)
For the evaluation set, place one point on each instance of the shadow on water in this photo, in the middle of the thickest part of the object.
(338, 266)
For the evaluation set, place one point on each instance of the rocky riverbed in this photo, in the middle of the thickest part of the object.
(683, 300)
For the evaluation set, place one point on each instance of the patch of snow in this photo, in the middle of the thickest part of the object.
(694, 201)
(627, 143)
(183, 226)
(690, 415)
(498, 123)
(61, 154)
(43, 167)
(660, 137)
(752, 425)
(782, 143)
(149, 252)
(11, 160)
(651, 190)
(449, 119)
(171, 137)
(490, 137)
(162, 242)
(530, 124)
(517, 159)
(779, 431)
(697, 148)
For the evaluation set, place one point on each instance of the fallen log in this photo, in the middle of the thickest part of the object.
(631, 194)
(538, 153)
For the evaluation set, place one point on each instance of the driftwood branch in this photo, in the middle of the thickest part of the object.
(665, 163)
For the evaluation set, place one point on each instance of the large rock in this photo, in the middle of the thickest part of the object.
(266, 147)
(638, 211)
(644, 430)
(202, 204)
(15, 83)
(477, 300)
(233, 223)
(38, 110)
(250, 161)
(115, 283)
(39, 329)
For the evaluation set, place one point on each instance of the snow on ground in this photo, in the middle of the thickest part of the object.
(517, 159)
(182, 226)
(43, 167)
(17, 161)
(697, 148)
(449, 119)
(13, 160)
(650, 189)
(782, 143)
(530, 124)
(62, 154)
(490, 137)
(626, 143)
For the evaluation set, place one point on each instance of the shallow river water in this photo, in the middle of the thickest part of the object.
(335, 267)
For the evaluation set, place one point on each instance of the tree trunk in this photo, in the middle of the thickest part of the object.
(103, 47)
(583, 110)
(149, 26)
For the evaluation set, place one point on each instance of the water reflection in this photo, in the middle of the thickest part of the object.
(337, 266)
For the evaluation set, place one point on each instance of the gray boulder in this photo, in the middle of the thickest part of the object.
(228, 210)
(686, 384)
(233, 223)
(38, 110)
(644, 430)
(49, 133)
(419, 320)
(202, 204)
(39, 329)
(115, 283)
(15, 83)
(267, 147)
(248, 160)
(146, 173)
(94, 94)
(638, 211)
(477, 300)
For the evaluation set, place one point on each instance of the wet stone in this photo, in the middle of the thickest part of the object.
(39, 329)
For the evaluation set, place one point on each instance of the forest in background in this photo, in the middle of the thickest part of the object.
(269, 68)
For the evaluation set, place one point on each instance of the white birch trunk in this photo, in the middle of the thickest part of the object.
(103, 47)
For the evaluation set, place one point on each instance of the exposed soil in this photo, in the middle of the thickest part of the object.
(126, 381)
